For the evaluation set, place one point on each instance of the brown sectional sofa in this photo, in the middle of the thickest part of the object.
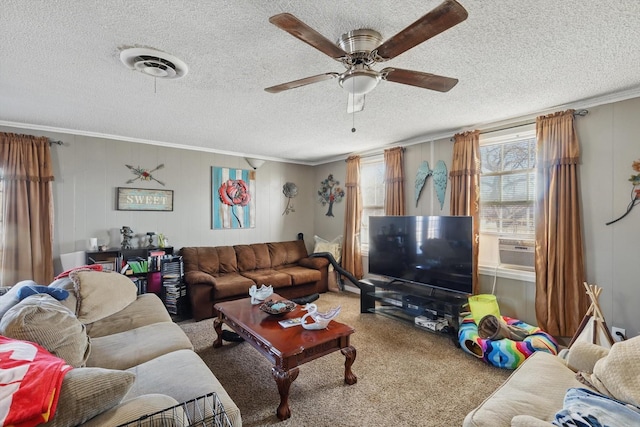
(223, 273)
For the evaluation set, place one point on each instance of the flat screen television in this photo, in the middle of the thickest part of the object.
(433, 251)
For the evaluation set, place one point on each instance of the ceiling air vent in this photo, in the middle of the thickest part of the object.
(153, 63)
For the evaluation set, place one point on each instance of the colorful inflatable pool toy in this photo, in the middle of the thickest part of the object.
(505, 353)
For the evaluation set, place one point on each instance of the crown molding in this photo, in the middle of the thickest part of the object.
(420, 139)
(75, 132)
(510, 122)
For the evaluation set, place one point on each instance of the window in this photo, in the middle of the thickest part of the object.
(372, 190)
(507, 195)
(507, 184)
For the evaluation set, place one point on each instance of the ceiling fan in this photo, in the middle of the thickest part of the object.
(359, 50)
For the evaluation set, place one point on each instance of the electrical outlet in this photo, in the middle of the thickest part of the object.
(619, 334)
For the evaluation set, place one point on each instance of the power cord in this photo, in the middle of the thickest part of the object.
(621, 335)
(495, 278)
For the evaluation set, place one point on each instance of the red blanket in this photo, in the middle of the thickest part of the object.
(30, 381)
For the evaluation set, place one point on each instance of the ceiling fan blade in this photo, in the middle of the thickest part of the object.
(355, 103)
(301, 31)
(443, 17)
(419, 79)
(301, 82)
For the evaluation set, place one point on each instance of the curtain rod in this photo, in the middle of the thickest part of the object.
(51, 142)
(580, 113)
(365, 156)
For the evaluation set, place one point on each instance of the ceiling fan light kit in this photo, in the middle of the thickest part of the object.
(359, 82)
(359, 50)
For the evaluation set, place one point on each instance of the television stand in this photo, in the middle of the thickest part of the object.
(437, 310)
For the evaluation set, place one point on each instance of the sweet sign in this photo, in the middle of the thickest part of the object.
(141, 199)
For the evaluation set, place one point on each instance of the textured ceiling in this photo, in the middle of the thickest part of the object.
(60, 70)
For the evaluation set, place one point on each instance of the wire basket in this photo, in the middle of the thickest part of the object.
(203, 411)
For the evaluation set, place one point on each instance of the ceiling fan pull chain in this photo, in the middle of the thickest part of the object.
(353, 113)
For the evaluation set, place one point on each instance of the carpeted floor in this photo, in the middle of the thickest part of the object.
(406, 376)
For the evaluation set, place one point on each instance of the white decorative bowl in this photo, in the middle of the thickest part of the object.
(320, 320)
(260, 294)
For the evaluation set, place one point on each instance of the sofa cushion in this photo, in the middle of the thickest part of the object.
(300, 275)
(277, 253)
(145, 310)
(296, 250)
(245, 257)
(227, 259)
(231, 285)
(268, 276)
(87, 392)
(184, 377)
(42, 319)
(261, 251)
(129, 348)
(101, 294)
(536, 388)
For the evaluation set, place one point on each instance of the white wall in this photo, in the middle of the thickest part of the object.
(88, 171)
(414, 155)
(609, 144)
(328, 227)
(610, 140)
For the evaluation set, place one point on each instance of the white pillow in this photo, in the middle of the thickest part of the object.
(334, 247)
(101, 294)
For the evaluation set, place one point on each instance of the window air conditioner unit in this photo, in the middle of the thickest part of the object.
(517, 253)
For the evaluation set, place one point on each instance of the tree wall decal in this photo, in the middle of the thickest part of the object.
(330, 192)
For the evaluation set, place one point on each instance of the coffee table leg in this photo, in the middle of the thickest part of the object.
(284, 380)
(350, 357)
(217, 326)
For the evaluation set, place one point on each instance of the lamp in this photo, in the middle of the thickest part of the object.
(360, 81)
(254, 163)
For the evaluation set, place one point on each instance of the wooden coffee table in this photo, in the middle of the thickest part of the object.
(286, 348)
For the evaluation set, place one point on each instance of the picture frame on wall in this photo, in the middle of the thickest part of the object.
(144, 199)
(233, 203)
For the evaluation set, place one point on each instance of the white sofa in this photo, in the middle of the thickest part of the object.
(129, 358)
(536, 392)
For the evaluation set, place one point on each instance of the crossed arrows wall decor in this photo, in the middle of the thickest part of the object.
(144, 174)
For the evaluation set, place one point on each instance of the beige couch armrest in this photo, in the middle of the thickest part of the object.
(583, 355)
(528, 421)
(133, 409)
(193, 277)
